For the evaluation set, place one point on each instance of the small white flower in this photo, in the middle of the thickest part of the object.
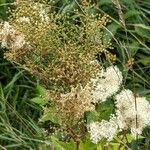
(11, 38)
(19, 42)
(5, 31)
(106, 84)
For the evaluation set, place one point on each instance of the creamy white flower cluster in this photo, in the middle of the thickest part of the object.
(103, 130)
(132, 112)
(106, 84)
(10, 38)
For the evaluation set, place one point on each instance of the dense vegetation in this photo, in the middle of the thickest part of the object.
(22, 124)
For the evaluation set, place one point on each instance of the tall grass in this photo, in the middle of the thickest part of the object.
(18, 116)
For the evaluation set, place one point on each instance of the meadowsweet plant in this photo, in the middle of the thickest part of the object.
(56, 48)
(132, 113)
(60, 49)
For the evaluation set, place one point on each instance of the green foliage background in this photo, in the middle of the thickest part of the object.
(129, 31)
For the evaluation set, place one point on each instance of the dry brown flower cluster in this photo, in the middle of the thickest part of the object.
(74, 104)
(58, 49)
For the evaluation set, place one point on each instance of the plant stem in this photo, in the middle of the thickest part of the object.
(77, 144)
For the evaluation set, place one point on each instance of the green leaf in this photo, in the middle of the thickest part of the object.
(41, 90)
(39, 100)
(131, 13)
(104, 2)
(50, 115)
(110, 31)
(69, 7)
(86, 143)
(145, 61)
(142, 32)
(92, 116)
(130, 137)
(101, 146)
(115, 146)
(134, 47)
(2, 1)
(105, 110)
(59, 145)
(148, 97)
(56, 144)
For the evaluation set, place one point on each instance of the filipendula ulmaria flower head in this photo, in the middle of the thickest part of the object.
(57, 48)
(60, 47)
(73, 105)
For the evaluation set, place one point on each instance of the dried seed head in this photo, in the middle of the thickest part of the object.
(74, 104)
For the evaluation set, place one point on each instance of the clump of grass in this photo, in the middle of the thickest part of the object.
(19, 127)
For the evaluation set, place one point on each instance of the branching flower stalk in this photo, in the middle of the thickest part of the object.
(59, 49)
